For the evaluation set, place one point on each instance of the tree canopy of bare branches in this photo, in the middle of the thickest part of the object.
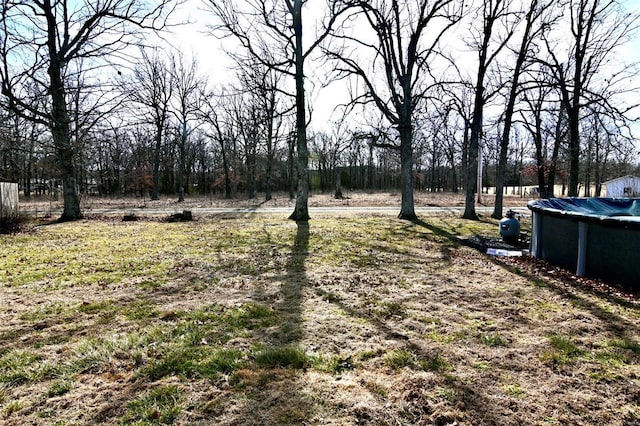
(271, 32)
(43, 46)
(403, 42)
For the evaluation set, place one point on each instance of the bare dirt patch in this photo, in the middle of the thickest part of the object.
(257, 320)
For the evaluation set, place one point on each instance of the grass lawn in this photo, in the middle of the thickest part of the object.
(255, 320)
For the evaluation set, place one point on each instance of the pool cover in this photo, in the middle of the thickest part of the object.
(596, 237)
(624, 211)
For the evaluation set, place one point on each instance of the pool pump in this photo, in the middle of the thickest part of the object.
(510, 227)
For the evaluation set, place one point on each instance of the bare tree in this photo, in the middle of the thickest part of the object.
(498, 23)
(151, 87)
(247, 117)
(187, 100)
(533, 25)
(271, 32)
(12, 137)
(219, 119)
(269, 106)
(578, 53)
(329, 149)
(42, 42)
(407, 37)
(439, 144)
(606, 136)
(544, 118)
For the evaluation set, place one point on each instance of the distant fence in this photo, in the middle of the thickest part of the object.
(8, 200)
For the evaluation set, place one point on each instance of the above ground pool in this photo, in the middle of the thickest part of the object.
(595, 237)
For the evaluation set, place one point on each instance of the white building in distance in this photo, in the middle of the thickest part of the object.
(625, 186)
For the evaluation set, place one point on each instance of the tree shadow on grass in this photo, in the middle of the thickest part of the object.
(616, 324)
(273, 393)
(452, 239)
(272, 385)
(467, 396)
(296, 280)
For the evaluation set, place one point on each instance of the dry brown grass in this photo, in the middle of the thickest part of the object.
(354, 199)
(395, 323)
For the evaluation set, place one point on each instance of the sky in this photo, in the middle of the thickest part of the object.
(194, 38)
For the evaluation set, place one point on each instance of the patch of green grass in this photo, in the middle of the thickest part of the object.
(140, 310)
(542, 309)
(400, 358)
(332, 364)
(149, 284)
(447, 225)
(493, 340)
(439, 337)
(380, 309)
(44, 312)
(247, 378)
(482, 365)
(448, 393)
(19, 366)
(547, 306)
(249, 316)
(611, 358)
(391, 309)
(221, 361)
(367, 355)
(206, 314)
(249, 268)
(376, 388)
(282, 356)
(200, 285)
(59, 387)
(565, 345)
(92, 354)
(83, 254)
(629, 345)
(160, 406)
(13, 407)
(563, 351)
(604, 375)
(430, 320)
(179, 361)
(513, 390)
(99, 307)
(436, 363)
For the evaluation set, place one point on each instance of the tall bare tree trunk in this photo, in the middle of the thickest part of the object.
(60, 132)
(574, 150)
(301, 211)
(269, 170)
(155, 193)
(471, 175)
(338, 193)
(407, 210)
(508, 119)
